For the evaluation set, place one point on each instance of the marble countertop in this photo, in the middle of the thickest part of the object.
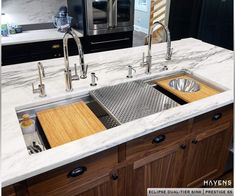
(209, 62)
(33, 36)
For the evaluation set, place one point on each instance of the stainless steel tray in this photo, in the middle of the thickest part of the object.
(129, 101)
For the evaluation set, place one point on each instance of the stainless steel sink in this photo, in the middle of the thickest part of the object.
(117, 104)
(184, 85)
(39, 135)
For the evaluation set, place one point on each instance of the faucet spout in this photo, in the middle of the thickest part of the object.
(168, 39)
(68, 76)
(41, 72)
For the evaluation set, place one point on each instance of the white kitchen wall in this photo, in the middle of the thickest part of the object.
(25, 12)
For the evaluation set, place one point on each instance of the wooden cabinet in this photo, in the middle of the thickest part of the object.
(161, 169)
(89, 174)
(157, 141)
(209, 146)
(182, 155)
(206, 155)
(9, 191)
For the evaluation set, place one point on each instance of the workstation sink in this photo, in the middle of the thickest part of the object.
(122, 103)
(39, 136)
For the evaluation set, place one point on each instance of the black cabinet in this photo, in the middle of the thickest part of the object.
(216, 24)
(22, 53)
(112, 41)
(208, 20)
(184, 18)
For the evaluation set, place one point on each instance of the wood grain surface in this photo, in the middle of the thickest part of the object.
(67, 123)
(205, 90)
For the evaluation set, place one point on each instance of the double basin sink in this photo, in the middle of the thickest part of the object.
(121, 103)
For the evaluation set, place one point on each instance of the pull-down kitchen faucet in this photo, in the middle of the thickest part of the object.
(148, 61)
(68, 76)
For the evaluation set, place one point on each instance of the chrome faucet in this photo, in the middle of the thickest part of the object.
(41, 86)
(148, 61)
(68, 76)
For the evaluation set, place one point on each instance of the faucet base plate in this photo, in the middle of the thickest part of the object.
(83, 77)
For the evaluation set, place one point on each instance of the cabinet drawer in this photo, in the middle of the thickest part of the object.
(157, 141)
(58, 181)
(212, 119)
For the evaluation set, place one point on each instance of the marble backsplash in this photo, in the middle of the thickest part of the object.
(26, 12)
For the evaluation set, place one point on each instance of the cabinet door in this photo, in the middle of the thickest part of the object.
(8, 191)
(118, 183)
(207, 155)
(161, 169)
(104, 188)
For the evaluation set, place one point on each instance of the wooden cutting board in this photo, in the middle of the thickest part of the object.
(67, 123)
(205, 90)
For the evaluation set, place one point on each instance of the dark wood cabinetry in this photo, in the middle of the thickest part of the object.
(208, 146)
(96, 175)
(9, 191)
(161, 169)
(182, 155)
(206, 155)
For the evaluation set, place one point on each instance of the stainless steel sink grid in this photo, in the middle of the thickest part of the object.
(184, 85)
(129, 101)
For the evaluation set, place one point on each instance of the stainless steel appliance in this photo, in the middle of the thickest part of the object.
(105, 24)
(96, 17)
(109, 16)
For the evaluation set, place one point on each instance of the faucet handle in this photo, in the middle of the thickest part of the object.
(40, 90)
(35, 90)
(75, 76)
(83, 71)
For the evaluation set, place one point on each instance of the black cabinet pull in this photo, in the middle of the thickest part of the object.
(183, 146)
(194, 141)
(159, 139)
(77, 171)
(217, 116)
(114, 176)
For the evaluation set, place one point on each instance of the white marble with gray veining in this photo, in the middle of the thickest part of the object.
(33, 36)
(31, 11)
(204, 60)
